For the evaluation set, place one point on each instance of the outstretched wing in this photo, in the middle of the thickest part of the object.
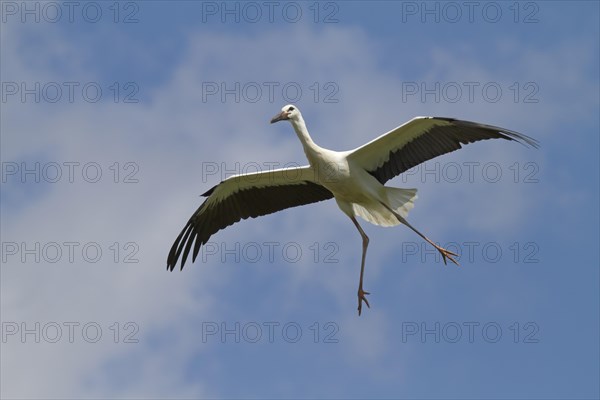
(243, 196)
(422, 139)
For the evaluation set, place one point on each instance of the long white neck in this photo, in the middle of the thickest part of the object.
(311, 149)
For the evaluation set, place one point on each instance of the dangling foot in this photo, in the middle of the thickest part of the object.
(361, 298)
(446, 254)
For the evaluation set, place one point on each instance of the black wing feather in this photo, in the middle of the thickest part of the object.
(251, 202)
(440, 140)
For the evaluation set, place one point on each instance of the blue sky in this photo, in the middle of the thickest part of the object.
(269, 309)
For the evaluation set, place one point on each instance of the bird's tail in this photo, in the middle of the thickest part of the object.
(401, 200)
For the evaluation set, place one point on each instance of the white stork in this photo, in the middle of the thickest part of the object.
(354, 178)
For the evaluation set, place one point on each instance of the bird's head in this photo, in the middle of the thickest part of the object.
(287, 112)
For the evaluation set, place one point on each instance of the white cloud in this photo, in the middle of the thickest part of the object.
(169, 137)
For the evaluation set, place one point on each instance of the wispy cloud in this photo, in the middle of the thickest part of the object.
(170, 136)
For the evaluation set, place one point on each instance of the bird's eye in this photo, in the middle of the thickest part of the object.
(291, 109)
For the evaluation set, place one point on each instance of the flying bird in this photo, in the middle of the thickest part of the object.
(355, 179)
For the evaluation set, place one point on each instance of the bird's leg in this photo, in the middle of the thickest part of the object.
(446, 254)
(361, 292)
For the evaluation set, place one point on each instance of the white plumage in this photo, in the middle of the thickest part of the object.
(354, 178)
